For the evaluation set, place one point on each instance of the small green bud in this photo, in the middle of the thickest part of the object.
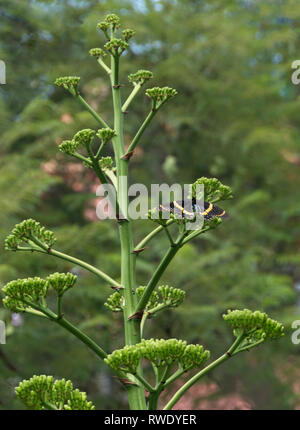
(141, 76)
(11, 243)
(128, 34)
(97, 52)
(61, 282)
(84, 137)
(70, 83)
(115, 302)
(105, 134)
(68, 146)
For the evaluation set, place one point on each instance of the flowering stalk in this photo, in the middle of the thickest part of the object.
(170, 358)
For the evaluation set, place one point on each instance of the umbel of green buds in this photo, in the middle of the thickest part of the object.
(115, 302)
(214, 190)
(84, 137)
(112, 20)
(160, 352)
(160, 95)
(97, 52)
(250, 322)
(140, 77)
(29, 231)
(68, 146)
(106, 163)
(70, 83)
(105, 134)
(42, 392)
(128, 34)
(61, 282)
(172, 297)
(23, 293)
(116, 46)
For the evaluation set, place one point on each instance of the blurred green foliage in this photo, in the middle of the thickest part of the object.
(235, 117)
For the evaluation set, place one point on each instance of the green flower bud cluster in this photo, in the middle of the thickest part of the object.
(163, 352)
(115, 302)
(70, 83)
(212, 223)
(194, 356)
(126, 359)
(153, 300)
(105, 134)
(214, 190)
(21, 292)
(172, 297)
(116, 46)
(140, 77)
(160, 95)
(257, 323)
(84, 137)
(128, 34)
(40, 391)
(106, 163)
(160, 352)
(97, 52)
(26, 231)
(112, 20)
(68, 147)
(61, 282)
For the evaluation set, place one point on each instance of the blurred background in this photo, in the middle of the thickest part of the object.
(236, 117)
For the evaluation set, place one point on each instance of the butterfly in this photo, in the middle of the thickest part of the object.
(189, 208)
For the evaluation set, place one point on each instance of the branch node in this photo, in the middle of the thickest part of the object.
(127, 156)
(137, 251)
(125, 381)
(114, 287)
(136, 316)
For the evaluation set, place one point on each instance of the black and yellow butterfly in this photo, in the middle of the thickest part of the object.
(188, 209)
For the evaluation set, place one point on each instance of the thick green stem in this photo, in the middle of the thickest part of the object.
(136, 395)
(193, 380)
(131, 96)
(141, 131)
(153, 233)
(91, 110)
(157, 275)
(204, 371)
(81, 336)
(76, 261)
